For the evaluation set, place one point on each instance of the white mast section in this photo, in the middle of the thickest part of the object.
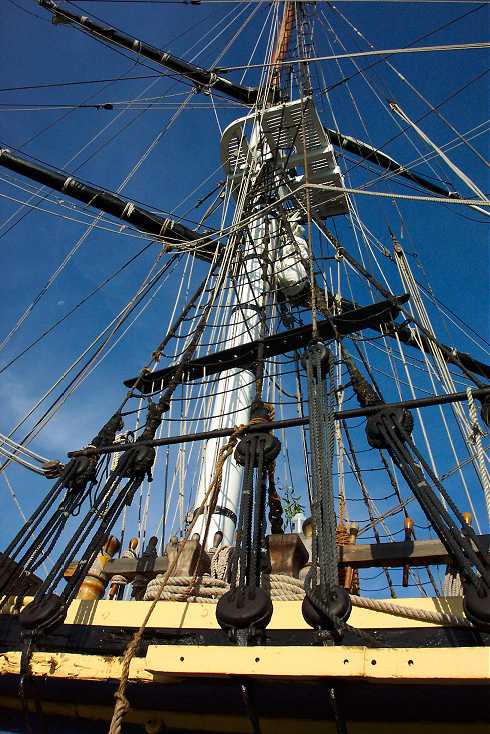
(290, 134)
(235, 390)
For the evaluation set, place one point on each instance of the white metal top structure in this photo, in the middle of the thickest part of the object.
(294, 137)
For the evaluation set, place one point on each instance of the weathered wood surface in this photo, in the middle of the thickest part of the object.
(392, 555)
(395, 555)
(288, 553)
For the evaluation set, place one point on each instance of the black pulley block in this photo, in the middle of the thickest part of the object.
(264, 441)
(79, 472)
(476, 605)
(137, 461)
(397, 418)
(485, 410)
(320, 613)
(318, 351)
(245, 607)
(269, 444)
(43, 614)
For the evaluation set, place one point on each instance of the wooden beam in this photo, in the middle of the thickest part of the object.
(392, 555)
(396, 555)
(246, 355)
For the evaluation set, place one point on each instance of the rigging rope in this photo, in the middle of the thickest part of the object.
(412, 87)
(459, 173)
(476, 438)
(122, 704)
(407, 197)
(355, 54)
(116, 324)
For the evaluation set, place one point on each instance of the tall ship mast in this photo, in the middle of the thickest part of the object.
(252, 485)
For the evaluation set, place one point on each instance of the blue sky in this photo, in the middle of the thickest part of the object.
(451, 243)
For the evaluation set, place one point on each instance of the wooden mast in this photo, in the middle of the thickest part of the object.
(282, 43)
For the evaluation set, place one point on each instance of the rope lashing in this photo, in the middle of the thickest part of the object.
(53, 469)
(122, 704)
(23, 456)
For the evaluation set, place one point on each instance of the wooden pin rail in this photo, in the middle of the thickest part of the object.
(386, 555)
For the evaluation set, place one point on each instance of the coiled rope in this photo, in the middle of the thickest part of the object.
(208, 590)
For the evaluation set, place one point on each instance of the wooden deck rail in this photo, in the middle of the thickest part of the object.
(392, 555)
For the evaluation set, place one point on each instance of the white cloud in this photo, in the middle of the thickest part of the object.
(72, 427)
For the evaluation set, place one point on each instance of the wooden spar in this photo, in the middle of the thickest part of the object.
(375, 555)
(479, 394)
(203, 79)
(162, 228)
(246, 355)
(282, 44)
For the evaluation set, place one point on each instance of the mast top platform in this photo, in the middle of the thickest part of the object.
(294, 139)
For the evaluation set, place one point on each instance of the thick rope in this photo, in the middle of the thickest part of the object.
(209, 590)
(220, 562)
(286, 588)
(461, 174)
(476, 439)
(122, 705)
(185, 588)
(421, 615)
(452, 585)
